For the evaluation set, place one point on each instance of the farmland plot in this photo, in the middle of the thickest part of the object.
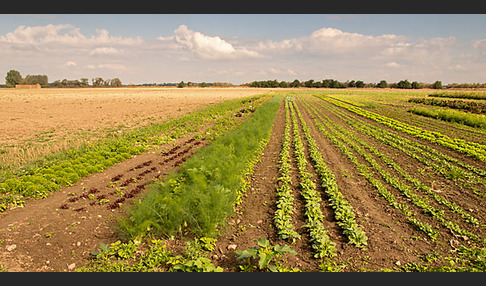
(319, 183)
(412, 198)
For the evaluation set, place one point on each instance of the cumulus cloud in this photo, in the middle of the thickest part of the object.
(208, 47)
(104, 51)
(331, 41)
(113, 67)
(392, 65)
(61, 36)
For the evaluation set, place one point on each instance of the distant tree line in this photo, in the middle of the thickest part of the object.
(14, 78)
(332, 83)
(203, 84)
(84, 82)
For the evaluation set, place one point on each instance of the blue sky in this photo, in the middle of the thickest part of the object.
(239, 48)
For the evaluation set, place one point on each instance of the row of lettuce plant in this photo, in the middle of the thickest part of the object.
(422, 203)
(285, 202)
(381, 135)
(202, 194)
(378, 135)
(474, 149)
(49, 174)
(343, 211)
(368, 173)
(321, 242)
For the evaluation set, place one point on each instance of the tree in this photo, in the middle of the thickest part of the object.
(116, 82)
(437, 85)
(13, 78)
(181, 84)
(97, 81)
(36, 79)
(295, 83)
(404, 84)
(416, 85)
(84, 81)
(360, 84)
(382, 84)
(309, 83)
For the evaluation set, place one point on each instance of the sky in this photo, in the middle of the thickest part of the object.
(240, 48)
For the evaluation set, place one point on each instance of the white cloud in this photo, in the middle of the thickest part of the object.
(63, 51)
(112, 67)
(392, 65)
(60, 36)
(208, 47)
(104, 51)
(331, 41)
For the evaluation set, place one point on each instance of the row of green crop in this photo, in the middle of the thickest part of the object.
(343, 211)
(152, 256)
(320, 240)
(285, 198)
(450, 115)
(368, 173)
(200, 197)
(464, 105)
(444, 165)
(407, 191)
(459, 94)
(40, 178)
(471, 148)
(421, 156)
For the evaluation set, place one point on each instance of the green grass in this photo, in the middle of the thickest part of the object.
(199, 198)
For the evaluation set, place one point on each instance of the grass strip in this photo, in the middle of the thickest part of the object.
(199, 198)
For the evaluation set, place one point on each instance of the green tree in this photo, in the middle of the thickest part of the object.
(382, 84)
(36, 79)
(360, 84)
(416, 85)
(115, 82)
(98, 81)
(13, 78)
(295, 83)
(404, 84)
(437, 85)
(84, 82)
(181, 84)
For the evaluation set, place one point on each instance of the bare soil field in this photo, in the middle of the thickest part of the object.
(38, 121)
